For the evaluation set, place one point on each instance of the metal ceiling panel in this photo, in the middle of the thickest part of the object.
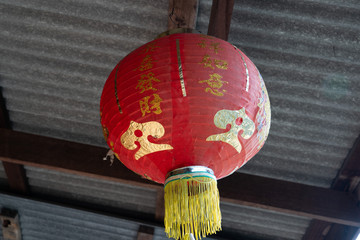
(57, 55)
(43, 221)
(309, 55)
(263, 224)
(248, 221)
(90, 190)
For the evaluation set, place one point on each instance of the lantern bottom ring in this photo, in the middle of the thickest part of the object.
(191, 170)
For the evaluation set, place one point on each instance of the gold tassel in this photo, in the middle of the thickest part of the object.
(191, 206)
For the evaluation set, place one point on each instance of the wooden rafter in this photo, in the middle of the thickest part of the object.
(182, 14)
(145, 233)
(15, 173)
(287, 197)
(220, 18)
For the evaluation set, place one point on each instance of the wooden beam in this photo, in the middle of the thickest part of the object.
(348, 177)
(317, 230)
(182, 14)
(347, 180)
(287, 197)
(343, 232)
(54, 154)
(220, 18)
(145, 233)
(160, 205)
(15, 173)
(292, 198)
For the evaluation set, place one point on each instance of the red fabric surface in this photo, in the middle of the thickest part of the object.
(148, 90)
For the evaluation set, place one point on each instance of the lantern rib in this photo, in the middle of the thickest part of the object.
(246, 70)
(116, 92)
(181, 74)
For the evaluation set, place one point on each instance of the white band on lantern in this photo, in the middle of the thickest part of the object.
(189, 172)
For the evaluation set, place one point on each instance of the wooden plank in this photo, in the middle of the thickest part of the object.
(145, 233)
(287, 197)
(182, 14)
(220, 18)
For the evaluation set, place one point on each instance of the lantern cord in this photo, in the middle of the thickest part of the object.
(172, 14)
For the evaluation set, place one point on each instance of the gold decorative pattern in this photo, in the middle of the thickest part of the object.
(223, 118)
(263, 117)
(154, 129)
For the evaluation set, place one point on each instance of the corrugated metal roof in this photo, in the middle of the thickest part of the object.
(56, 57)
(309, 55)
(249, 221)
(90, 190)
(262, 223)
(45, 221)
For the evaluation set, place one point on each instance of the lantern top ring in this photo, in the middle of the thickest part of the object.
(190, 172)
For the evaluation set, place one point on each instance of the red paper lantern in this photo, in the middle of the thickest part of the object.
(185, 100)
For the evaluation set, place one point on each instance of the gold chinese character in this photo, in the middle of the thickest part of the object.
(207, 62)
(206, 36)
(147, 106)
(215, 47)
(146, 64)
(221, 64)
(223, 118)
(202, 44)
(149, 48)
(215, 83)
(146, 82)
(154, 129)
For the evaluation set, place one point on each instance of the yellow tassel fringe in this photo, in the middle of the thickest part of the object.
(192, 206)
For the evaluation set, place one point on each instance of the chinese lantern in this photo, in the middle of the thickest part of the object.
(186, 110)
